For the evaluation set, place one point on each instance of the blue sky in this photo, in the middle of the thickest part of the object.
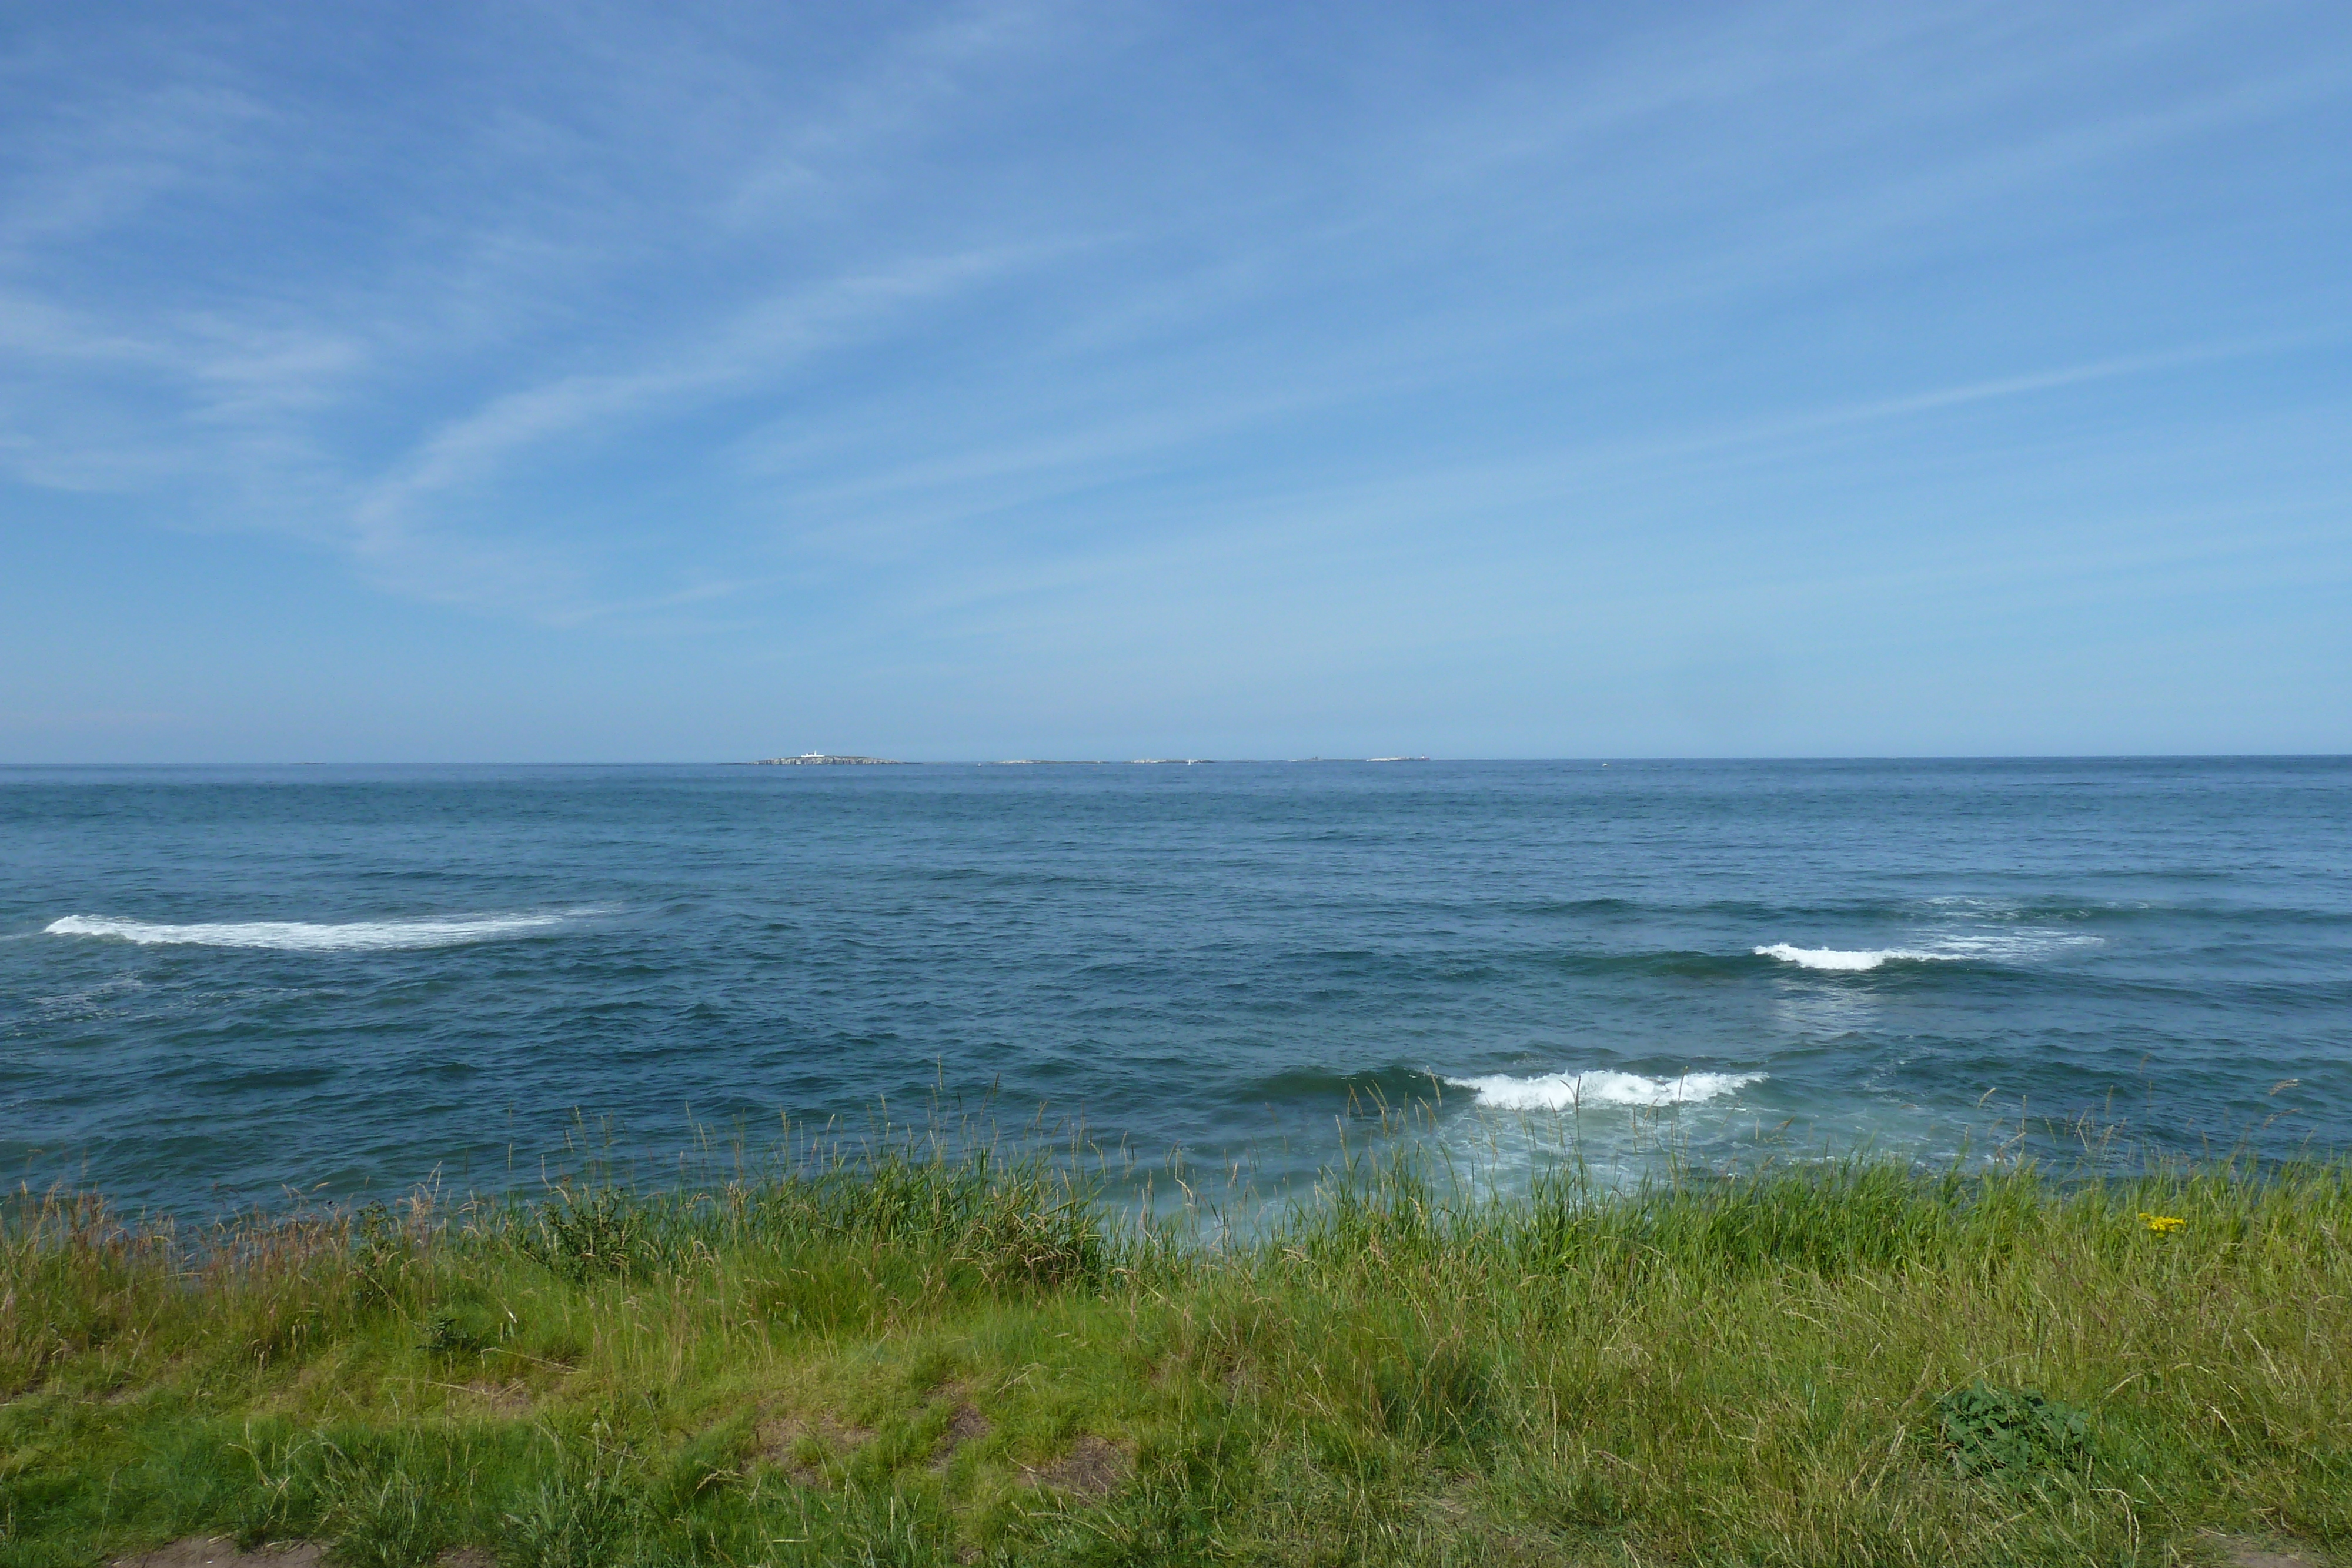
(609, 382)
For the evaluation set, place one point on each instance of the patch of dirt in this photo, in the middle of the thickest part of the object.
(966, 1425)
(780, 1436)
(511, 1400)
(465, 1557)
(1092, 1469)
(2243, 1552)
(202, 1551)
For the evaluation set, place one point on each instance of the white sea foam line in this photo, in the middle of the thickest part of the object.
(303, 937)
(1562, 1090)
(2002, 946)
(2027, 944)
(1837, 958)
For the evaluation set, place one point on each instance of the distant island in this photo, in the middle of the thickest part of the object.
(823, 759)
(826, 760)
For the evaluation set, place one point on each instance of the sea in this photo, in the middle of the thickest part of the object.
(230, 988)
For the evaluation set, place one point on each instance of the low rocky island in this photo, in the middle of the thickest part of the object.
(823, 759)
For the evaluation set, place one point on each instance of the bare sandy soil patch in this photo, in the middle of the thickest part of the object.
(782, 1442)
(2243, 1552)
(1092, 1469)
(220, 1551)
(966, 1425)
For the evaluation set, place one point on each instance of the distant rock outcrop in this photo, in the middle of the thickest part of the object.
(822, 759)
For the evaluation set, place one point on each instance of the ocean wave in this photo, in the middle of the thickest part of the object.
(1675, 963)
(1562, 1091)
(304, 936)
(2026, 947)
(1849, 961)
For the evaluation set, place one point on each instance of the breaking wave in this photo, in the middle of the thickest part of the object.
(303, 937)
(1564, 1090)
(1839, 958)
(2026, 947)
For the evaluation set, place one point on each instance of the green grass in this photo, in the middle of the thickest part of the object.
(923, 1359)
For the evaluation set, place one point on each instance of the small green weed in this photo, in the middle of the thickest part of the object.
(582, 1236)
(381, 1257)
(445, 1331)
(2012, 1431)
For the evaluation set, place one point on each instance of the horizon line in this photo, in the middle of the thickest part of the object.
(1597, 758)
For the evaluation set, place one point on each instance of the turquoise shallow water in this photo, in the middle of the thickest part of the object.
(220, 984)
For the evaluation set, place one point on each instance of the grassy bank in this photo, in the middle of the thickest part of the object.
(923, 1361)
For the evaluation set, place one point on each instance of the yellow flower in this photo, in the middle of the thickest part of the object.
(2162, 1224)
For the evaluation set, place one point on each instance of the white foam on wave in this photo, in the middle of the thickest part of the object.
(2025, 947)
(304, 936)
(1840, 959)
(1565, 1090)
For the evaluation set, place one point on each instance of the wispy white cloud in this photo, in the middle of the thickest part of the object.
(98, 162)
(259, 383)
(390, 522)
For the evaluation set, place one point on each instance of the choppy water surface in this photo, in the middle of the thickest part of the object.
(217, 984)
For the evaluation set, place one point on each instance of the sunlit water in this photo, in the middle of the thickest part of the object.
(217, 985)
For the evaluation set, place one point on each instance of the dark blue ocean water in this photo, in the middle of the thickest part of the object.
(220, 984)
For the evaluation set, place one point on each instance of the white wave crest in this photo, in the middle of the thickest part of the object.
(1562, 1091)
(303, 937)
(1838, 958)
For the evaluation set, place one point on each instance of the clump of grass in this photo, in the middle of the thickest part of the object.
(889, 1358)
